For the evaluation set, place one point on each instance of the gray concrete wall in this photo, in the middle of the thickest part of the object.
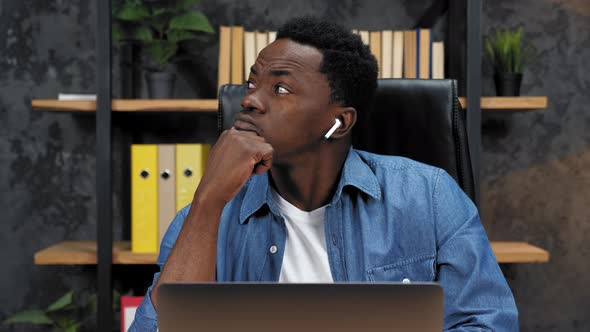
(534, 178)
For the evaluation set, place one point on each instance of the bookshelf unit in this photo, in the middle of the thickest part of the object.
(463, 53)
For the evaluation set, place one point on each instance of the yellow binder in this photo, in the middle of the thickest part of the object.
(190, 165)
(144, 198)
(166, 188)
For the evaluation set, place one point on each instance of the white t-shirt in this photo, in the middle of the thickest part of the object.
(306, 256)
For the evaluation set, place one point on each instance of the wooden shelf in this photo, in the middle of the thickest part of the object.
(519, 252)
(521, 103)
(211, 105)
(129, 105)
(84, 252)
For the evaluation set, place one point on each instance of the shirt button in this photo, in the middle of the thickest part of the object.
(406, 281)
(273, 249)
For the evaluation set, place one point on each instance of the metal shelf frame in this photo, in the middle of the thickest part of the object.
(104, 206)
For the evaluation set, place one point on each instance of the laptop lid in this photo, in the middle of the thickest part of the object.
(266, 307)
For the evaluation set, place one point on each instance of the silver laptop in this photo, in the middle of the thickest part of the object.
(266, 307)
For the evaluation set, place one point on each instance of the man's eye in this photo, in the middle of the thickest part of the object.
(250, 85)
(279, 89)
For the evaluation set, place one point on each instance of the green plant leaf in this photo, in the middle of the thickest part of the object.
(507, 50)
(186, 4)
(165, 10)
(116, 300)
(143, 34)
(161, 51)
(72, 328)
(91, 304)
(158, 25)
(61, 302)
(176, 36)
(490, 50)
(194, 21)
(29, 316)
(118, 33)
(132, 11)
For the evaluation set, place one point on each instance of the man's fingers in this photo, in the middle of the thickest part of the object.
(263, 166)
(263, 159)
(245, 133)
(259, 169)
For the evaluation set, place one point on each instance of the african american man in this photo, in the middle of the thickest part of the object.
(279, 202)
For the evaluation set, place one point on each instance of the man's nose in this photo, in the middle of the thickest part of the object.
(252, 102)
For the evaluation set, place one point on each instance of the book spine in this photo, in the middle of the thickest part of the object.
(398, 54)
(424, 53)
(224, 63)
(261, 41)
(237, 55)
(272, 36)
(364, 36)
(375, 46)
(387, 53)
(249, 52)
(410, 54)
(438, 60)
(430, 54)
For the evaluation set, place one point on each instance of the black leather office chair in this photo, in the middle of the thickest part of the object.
(417, 119)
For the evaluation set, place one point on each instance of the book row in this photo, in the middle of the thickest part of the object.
(399, 53)
(406, 53)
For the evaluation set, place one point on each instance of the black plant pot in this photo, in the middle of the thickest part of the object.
(507, 84)
(160, 84)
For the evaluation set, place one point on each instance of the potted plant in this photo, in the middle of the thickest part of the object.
(70, 313)
(509, 54)
(160, 27)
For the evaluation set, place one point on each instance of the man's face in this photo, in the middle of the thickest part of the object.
(288, 99)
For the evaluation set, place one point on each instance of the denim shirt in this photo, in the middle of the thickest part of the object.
(390, 219)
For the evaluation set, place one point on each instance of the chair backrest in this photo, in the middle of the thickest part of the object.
(417, 119)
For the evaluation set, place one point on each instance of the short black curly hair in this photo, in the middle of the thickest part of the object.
(347, 62)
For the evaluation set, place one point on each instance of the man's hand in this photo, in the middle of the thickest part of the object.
(232, 160)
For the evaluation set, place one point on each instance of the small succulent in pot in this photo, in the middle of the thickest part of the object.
(509, 54)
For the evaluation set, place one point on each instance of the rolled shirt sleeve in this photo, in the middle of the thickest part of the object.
(477, 296)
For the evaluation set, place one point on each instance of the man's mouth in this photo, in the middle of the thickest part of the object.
(246, 126)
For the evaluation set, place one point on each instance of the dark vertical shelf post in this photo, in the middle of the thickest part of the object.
(474, 88)
(464, 65)
(455, 52)
(104, 226)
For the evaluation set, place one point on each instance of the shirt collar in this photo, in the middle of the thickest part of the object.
(355, 173)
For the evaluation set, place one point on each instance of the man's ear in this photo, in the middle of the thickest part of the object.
(347, 116)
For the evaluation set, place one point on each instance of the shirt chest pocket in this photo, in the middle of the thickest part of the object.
(417, 269)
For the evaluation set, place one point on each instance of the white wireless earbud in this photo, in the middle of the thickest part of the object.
(333, 129)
